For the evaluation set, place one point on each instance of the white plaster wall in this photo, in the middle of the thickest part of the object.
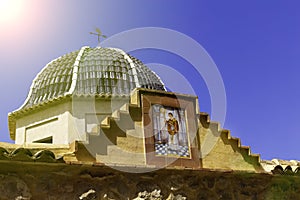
(39, 124)
(42, 130)
(65, 122)
(89, 106)
(20, 135)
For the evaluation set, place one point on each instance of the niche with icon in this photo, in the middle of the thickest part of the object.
(170, 129)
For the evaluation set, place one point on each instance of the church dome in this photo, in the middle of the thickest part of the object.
(91, 71)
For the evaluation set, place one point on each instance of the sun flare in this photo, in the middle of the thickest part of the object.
(10, 10)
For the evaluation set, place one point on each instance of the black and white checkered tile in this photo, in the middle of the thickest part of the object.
(164, 150)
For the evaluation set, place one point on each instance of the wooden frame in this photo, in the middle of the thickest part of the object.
(186, 105)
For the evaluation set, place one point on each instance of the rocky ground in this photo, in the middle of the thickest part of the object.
(58, 181)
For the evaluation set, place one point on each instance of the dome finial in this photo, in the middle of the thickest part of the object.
(99, 34)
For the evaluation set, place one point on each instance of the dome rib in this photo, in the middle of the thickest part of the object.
(75, 70)
(134, 71)
(106, 72)
(91, 71)
(53, 80)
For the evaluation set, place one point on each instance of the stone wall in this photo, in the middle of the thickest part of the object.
(33, 180)
(219, 150)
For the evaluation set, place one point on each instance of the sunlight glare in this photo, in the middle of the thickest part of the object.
(10, 10)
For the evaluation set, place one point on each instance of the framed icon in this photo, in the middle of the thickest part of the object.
(170, 129)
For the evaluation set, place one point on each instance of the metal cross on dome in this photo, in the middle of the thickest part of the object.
(99, 34)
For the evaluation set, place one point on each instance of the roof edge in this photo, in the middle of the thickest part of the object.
(33, 82)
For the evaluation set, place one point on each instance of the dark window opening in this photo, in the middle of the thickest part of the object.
(48, 140)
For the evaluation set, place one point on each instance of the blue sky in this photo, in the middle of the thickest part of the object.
(255, 45)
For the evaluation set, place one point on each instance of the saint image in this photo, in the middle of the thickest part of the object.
(170, 131)
(172, 126)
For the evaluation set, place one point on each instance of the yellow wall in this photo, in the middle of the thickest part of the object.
(220, 151)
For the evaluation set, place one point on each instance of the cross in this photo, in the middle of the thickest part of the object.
(99, 34)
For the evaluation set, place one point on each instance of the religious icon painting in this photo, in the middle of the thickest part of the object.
(170, 131)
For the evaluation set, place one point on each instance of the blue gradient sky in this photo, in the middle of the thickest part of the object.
(255, 44)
